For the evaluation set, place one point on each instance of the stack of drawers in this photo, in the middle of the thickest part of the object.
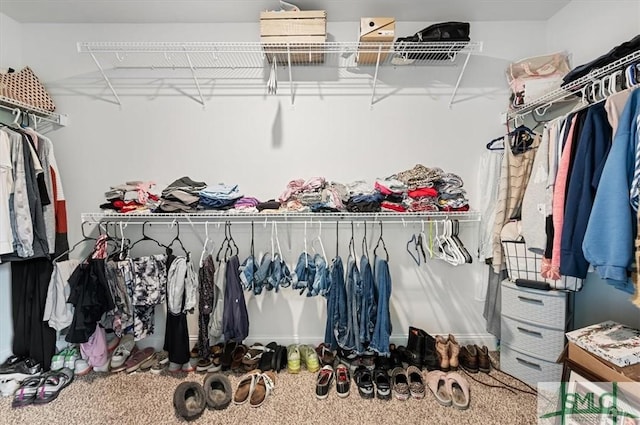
(532, 333)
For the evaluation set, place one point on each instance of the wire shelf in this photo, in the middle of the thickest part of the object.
(198, 57)
(405, 218)
(575, 86)
(256, 55)
(10, 104)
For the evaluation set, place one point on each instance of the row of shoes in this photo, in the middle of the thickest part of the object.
(191, 398)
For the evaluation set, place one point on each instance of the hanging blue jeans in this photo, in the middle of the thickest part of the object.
(321, 279)
(382, 329)
(354, 295)
(304, 273)
(337, 319)
(368, 302)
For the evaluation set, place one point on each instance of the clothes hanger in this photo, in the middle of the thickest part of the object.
(413, 241)
(318, 239)
(224, 245)
(352, 247)
(145, 237)
(384, 246)
(454, 235)
(231, 245)
(205, 245)
(365, 248)
(176, 223)
(85, 238)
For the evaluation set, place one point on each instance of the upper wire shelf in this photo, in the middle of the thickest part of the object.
(573, 87)
(197, 57)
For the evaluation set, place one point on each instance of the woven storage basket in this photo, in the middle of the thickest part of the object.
(25, 87)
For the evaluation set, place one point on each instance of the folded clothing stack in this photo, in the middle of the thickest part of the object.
(181, 196)
(301, 194)
(431, 189)
(132, 196)
(394, 192)
(219, 196)
(363, 197)
(452, 197)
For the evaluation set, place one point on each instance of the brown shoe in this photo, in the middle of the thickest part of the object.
(454, 352)
(484, 362)
(442, 350)
(469, 358)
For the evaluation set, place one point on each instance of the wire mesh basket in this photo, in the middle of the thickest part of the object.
(525, 264)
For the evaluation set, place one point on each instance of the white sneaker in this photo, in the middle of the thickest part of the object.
(81, 367)
(8, 388)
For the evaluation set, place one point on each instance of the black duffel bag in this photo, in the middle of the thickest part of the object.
(456, 33)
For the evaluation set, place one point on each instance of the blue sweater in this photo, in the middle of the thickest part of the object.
(609, 238)
(591, 153)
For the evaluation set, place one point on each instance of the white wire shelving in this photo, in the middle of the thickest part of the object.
(39, 114)
(541, 104)
(284, 217)
(199, 56)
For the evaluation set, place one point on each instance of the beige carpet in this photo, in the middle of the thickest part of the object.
(144, 398)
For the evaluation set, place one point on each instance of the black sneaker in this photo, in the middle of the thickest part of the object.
(343, 381)
(21, 370)
(364, 381)
(383, 384)
(10, 361)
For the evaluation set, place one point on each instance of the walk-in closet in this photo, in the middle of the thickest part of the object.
(318, 211)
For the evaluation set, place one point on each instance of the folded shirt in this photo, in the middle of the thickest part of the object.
(185, 184)
(221, 191)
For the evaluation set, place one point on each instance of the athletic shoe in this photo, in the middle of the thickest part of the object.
(21, 370)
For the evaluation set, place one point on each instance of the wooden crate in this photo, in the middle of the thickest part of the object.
(305, 32)
(375, 33)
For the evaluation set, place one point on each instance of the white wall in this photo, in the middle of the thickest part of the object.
(10, 56)
(263, 142)
(588, 29)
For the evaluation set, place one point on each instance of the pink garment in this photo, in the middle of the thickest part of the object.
(143, 189)
(562, 178)
(95, 351)
(100, 249)
(299, 185)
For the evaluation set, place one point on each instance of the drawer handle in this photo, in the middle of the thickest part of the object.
(531, 300)
(527, 331)
(528, 363)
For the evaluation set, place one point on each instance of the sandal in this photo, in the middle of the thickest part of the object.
(245, 387)
(253, 355)
(437, 383)
(458, 387)
(263, 386)
(237, 356)
(326, 355)
(52, 384)
(26, 393)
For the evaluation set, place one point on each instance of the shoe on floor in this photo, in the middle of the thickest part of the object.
(188, 367)
(364, 382)
(400, 384)
(112, 343)
(81, 367)
(137, 358)
(293, 359)
(469, 358)
(122, 353)
(437, 383)
(484, 361)
(458, 387)
(383, 384)
(309, 358)
(72, 354)
(324, 380)
(343, 381)
(265, 382)
(203, 365)
(416, 383)
(189, 400)
(217, 389)
(157, 367)
(21, 370)
(146, 365)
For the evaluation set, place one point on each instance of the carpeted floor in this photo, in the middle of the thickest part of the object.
(144, 398)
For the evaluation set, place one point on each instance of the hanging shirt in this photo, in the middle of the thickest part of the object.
(6, 189)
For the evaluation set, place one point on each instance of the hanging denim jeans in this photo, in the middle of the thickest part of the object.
(262, 274)
(304, 273)
(382, 329)
(336, 332)
(247, 273)
(321, 279)
(368, 302)
(354, 296)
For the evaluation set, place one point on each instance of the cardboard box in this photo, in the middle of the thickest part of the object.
(600, 367)
(373, 33)
(305, 30)
(614, 342)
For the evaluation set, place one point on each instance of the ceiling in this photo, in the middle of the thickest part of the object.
(214, 11)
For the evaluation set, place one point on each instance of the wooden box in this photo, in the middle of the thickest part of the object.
(300, 35)
(375, 33)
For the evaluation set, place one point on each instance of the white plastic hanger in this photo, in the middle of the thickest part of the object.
(207, 241)
(319, 240)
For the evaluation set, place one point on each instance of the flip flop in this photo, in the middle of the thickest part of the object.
(26, 393)
(52, 384)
